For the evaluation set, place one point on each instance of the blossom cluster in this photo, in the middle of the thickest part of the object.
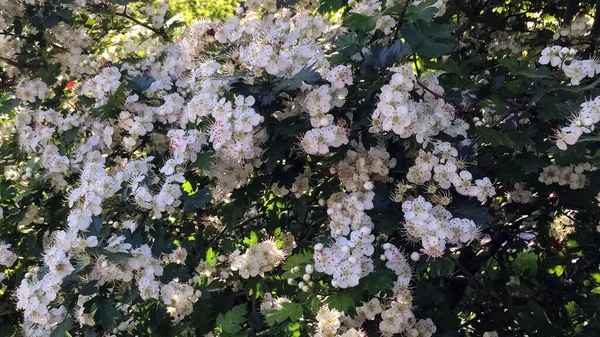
(564, 58)
(257, 260)
(582, 121)
(129, 133)
(348, 258)
(398, 112)
(572, 175)
(434, 226)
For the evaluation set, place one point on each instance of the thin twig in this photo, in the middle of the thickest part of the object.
(11, 62)
(160, 32)
(435, 94)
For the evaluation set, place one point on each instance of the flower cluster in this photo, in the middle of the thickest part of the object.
(582, 121)
(564, 58)
(563, 226)
(435, 227)
(348, 258)
(397, 111)
(179, 299)
(318, 104)
(360, 167)
(257, 260)
(7, 257)
(572, 175)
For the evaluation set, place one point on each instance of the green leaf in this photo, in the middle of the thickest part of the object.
(427, 39)
(384, 55)
(50, 73)
(306, 75)
(494, 137)
(425, 11)
(62, 329)
(525, 264)
(104, 311)
(359, 22)
(290, 310)
(252, 240)
(109, 255)
(232, 321)
(381, 280)
(296, 260)
(525, 69)
(204, 160)
(292, 126)
(8, 105)
(341, 301)
(348, 44)
(328, 6)
(388, 220)
(473, 211)
(441, 266)
(534, 319)
(196, 201)
(139, 83)
(113, 106)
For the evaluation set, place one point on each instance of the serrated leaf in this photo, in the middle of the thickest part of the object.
(425, 11)
(383, 55)
(473, 211)
(328, 6)
(292, 126)
(359, 22)
(388, 220)
(62, 329)
(289, 310)
(113, 106)
(296, 260)
(139, 83)
(109, 255)
(382, 280)
(348, 44)
(104, 311)
(441, 266)
(341, 301)
(525, 264)
(204, 160)
(494, 137)
(196, 201)
(232, 321)
(306, 75)
(49, 74)
(7, 106)
(428, 39)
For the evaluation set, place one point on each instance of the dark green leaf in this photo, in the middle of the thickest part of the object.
(341, 301)
(359, 22)
(291, 311)
(62, 329)
(196, 201)
(494, 137)
(232, 321)
(305, 75)
(204, 160)
(50, 73)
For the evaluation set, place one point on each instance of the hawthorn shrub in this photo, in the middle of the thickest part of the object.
(416, 168)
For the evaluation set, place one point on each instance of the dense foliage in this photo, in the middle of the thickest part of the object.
(303, 168)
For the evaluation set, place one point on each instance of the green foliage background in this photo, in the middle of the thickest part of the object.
(194, 10)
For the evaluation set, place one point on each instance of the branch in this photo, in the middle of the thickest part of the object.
(11, 62)
(572, 9)
(160, 31)
(435, 94)
(241, 224)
